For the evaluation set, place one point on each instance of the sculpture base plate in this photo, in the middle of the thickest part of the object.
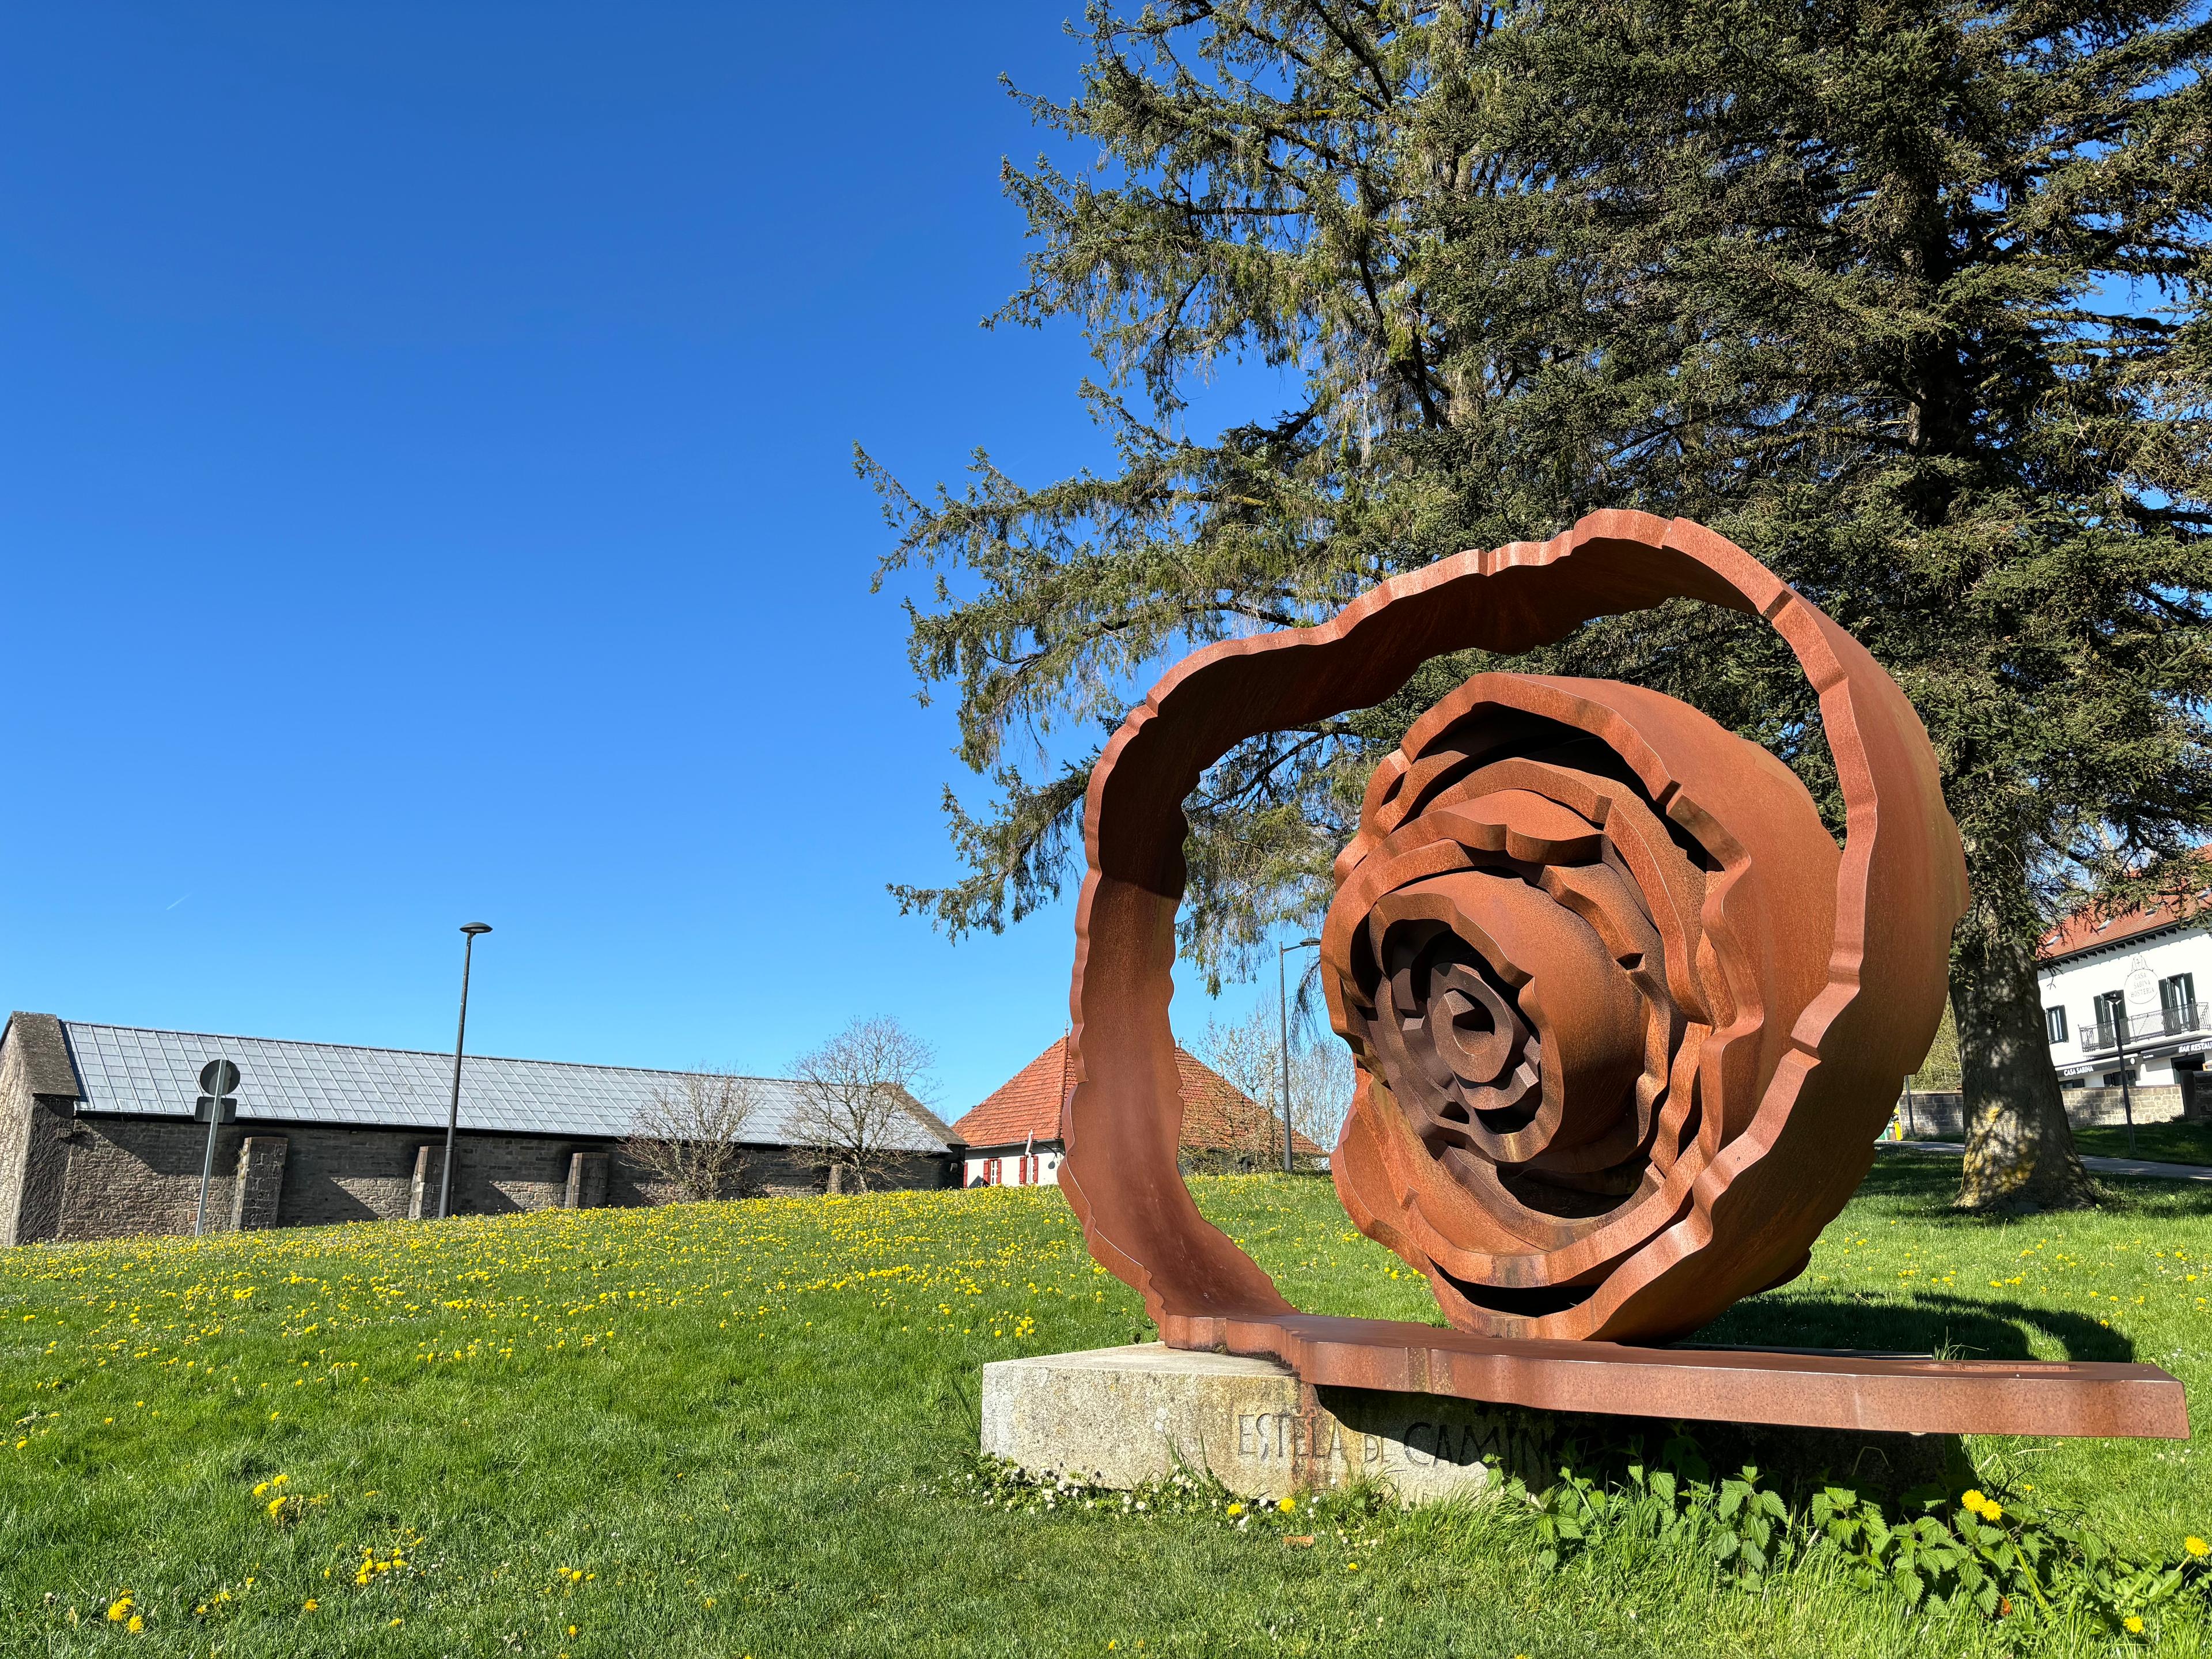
(1893, 1393)
(1121, 1417)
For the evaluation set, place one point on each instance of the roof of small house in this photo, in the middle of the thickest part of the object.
(2094, 927)
(129, 1068)
(1215, 1113)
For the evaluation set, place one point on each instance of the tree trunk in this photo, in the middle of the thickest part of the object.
(2019, 1148)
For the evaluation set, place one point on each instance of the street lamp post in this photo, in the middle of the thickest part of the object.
(1283, 1007)
(2127, 1099)
(460, 1037)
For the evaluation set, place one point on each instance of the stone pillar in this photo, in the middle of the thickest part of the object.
(423, 1190)
(39, 1092)
(51, 1131)
(2195, 1097)
(587, 1182)
(257, 1192)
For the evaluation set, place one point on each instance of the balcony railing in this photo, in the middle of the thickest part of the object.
(2180, 1020)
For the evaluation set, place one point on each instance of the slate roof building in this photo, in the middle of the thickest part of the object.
(102, 1135)
(1013, 1138)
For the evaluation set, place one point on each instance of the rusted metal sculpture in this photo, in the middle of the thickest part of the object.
(1626, 1021)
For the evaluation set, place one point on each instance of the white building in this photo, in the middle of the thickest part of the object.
(2131, 992)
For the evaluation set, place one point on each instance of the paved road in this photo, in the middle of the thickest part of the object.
(2114, 1166)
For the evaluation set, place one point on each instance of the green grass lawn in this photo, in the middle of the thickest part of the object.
(744, 1429)
(2164, 1143)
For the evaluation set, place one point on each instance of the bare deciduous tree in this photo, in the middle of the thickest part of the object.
(855, 1094)
(1320, 1088)
(1249, 1052)
(1248, 1055)
(691, 1136)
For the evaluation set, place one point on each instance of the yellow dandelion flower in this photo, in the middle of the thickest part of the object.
(119, 1611)
(2134, 1622)
(2197, 1546)
(1287, 1505)
(309, 1605)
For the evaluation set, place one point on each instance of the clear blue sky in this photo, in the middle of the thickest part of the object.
(425, 495)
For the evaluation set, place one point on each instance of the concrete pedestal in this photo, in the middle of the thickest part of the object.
(1120, 1417)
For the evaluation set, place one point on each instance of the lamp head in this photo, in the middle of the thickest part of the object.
(472, 928)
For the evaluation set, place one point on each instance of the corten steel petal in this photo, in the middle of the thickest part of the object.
(1658, 896)
(1625, 1021)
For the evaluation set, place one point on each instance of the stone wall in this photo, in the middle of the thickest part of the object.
(1941, 1116)
(126, 1177)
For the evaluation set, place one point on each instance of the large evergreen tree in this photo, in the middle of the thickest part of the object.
(1906, 297)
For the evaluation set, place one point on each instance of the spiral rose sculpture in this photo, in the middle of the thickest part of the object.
(1547, 952)
(1625, 1019)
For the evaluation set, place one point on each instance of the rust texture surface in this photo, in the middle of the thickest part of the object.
(1626, 1020)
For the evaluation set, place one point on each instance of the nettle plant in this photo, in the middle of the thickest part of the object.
(1748, 1530)
(1975, 1549)
(1932, 1548)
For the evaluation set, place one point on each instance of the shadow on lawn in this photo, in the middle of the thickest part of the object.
(1923, 1186)
(1922, 1190)
(1955, 1327)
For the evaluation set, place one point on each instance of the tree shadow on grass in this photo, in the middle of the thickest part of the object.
(1924, 1187)
(1954, 1327)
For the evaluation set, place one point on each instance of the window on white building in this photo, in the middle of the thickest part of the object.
(2177, 1002)
(2054, 1022)
(2111, 1015)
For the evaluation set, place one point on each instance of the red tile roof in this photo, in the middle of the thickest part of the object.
(1216, 1113)
(1027, 1104)
(2091, 927)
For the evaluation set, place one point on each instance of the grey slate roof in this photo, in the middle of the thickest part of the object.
(127, 1068)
